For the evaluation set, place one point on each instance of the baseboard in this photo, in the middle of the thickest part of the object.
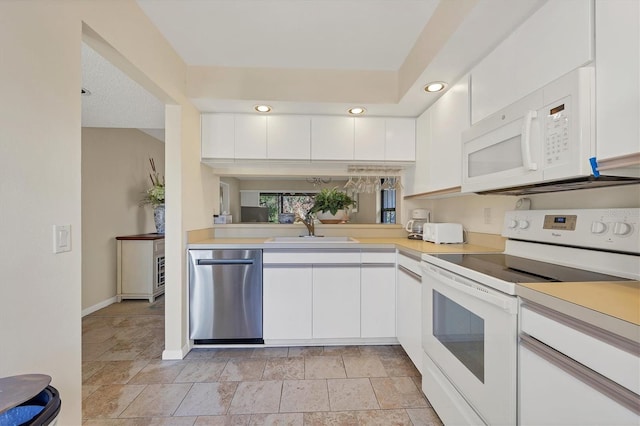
(98, 306)
(176, 354)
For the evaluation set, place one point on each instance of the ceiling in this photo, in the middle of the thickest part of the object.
(306, 56)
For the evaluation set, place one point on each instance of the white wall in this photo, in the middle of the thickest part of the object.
(40, 176)
(115, 174)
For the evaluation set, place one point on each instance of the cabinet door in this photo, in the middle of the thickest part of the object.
(218, 135)
(289, 137)
(287, 296)
(378, 301)
(556, 39)
(416, 179)
(251, 137)
(617, 77)
(449, 118)
(332, 138)
(409, 316)
(400, 141)
(137, 267)
(369, 139)
(336, 301)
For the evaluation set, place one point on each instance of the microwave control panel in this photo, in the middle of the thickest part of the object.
(557, 149)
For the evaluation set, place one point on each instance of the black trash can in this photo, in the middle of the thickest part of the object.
(28, 400)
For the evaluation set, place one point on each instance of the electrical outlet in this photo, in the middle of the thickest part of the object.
(61, 238)
(487, 215)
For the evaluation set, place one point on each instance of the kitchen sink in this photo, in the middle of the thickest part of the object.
(311, 239)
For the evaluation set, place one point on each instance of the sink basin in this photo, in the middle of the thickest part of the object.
(307, 239)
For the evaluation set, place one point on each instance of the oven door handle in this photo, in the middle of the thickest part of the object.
(506, 303)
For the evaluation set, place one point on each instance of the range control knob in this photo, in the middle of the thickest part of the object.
(523, 224)
(512, 224)
(598, 228)
(621, 228)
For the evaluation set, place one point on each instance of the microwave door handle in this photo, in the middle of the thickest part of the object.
(526, 141)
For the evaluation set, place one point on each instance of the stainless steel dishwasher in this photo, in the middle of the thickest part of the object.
(225, 296)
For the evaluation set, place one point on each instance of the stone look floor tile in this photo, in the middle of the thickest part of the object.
(363, 366)
(304, 395)
(324, 367)
(88, 390)
(237, 420)
(257, 398)
(207, 399)
(89, 368)
(424, 417)
(284, 369)
(351, 394)
(247, 369)
(93, 351)
(332, 418)
(306, 351)
(270, 352)
(289, 419)
(235, 353)
(399, 365)
(159, 400)
(116, 372)
(384, 418)
(207, 370)
(200, 354)
(158, 372)
(381, 350)
(398, 392)
(110, 400)
(341, 350)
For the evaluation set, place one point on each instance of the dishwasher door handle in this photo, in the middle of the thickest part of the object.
(209, 262)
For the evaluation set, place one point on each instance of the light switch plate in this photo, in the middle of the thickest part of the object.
(61, 238)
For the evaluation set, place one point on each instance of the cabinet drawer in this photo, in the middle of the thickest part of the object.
(410, 262)
(311, 257)
(379, 256)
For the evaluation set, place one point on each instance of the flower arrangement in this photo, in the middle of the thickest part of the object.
(155, 194)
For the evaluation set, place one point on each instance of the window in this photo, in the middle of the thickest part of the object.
(388, 206)
(285, 203)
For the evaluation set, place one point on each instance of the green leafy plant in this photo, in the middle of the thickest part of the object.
(155, 194)
(331, 200)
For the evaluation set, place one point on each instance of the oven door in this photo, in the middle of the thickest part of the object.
(470, 333)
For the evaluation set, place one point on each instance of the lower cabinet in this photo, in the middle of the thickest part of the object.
(378, 301)
(287, 302)
(336, 301)
(409, 314)
(140, 266)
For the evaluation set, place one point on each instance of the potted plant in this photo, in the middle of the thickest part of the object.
(155, 197)
(330, 205)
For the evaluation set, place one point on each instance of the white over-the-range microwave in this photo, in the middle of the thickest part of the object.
(545, 137)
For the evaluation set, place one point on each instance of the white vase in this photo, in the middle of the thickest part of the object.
(158, 218)
(326, 217)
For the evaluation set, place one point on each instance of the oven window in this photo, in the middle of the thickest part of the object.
(461, 332)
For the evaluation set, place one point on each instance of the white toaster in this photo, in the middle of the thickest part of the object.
(442, 233)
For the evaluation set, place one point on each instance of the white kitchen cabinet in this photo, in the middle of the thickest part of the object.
(289, 137)
(555, 40)
(140, 266)
(400, 139)
(287, 303)
(617, 77)
(370, 136)
(218, 135)
(250, 136)
(378, 300)
(332, 138)
(336, 301)
(438, 142)
(409, 308)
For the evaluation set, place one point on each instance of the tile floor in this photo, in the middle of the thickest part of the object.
(125, 381)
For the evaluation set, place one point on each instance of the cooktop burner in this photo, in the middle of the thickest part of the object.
(522, 270)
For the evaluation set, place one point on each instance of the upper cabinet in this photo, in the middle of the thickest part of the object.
(438, 143)
(308, 138)
(554, 41)
(617, 78)
(289, 137)
(332, 138)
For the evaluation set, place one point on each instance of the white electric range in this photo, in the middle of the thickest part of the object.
(470, 311)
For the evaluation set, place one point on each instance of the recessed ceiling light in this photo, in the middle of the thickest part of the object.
(262, 108)
(357, 111)
(436, 86)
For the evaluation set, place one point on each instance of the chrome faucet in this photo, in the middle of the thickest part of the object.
(308, 221)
